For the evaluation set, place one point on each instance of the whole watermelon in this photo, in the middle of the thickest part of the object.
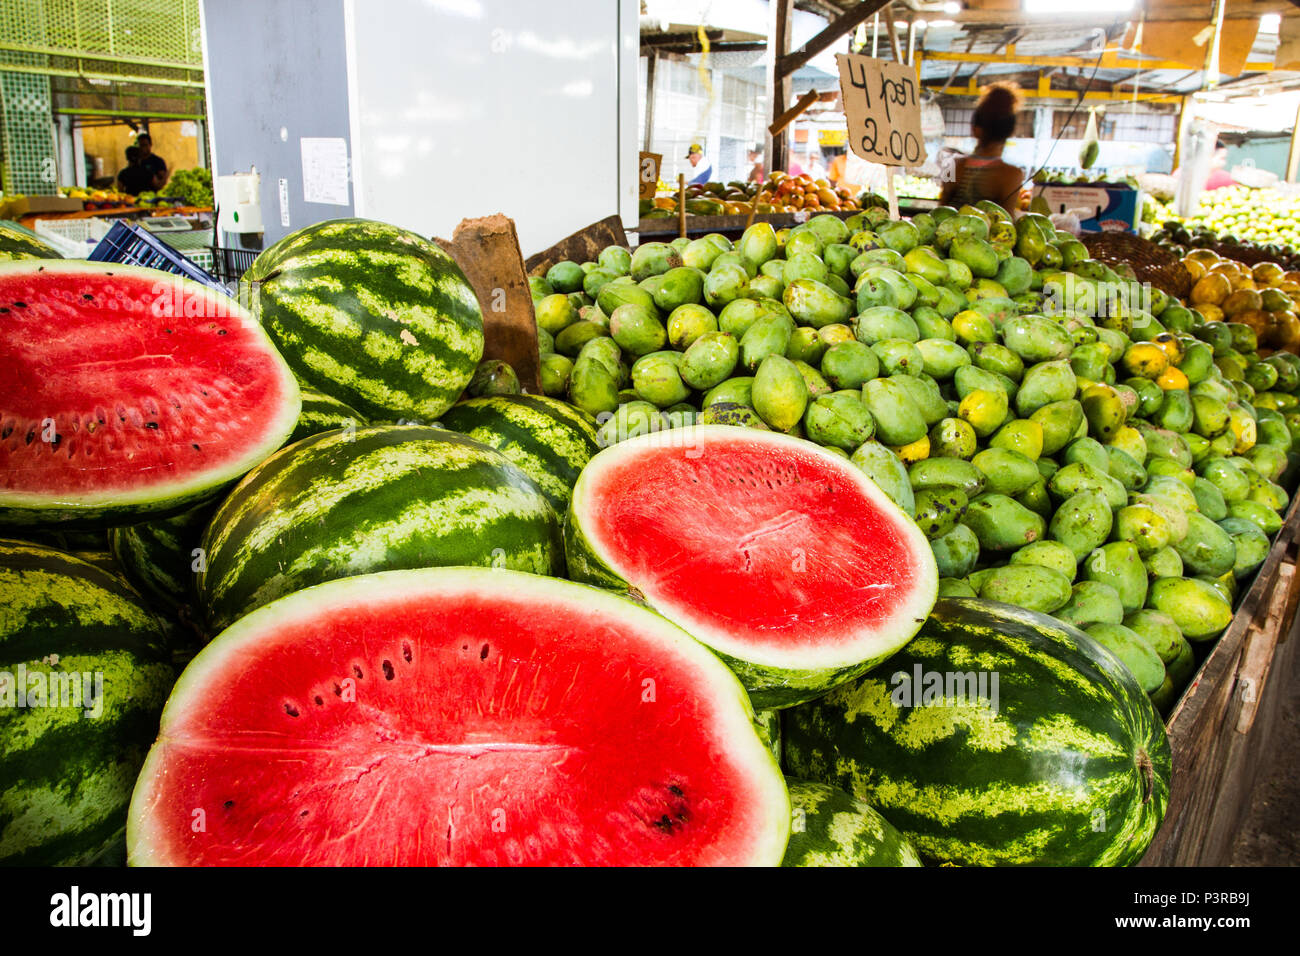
(372, 315)
(18, 242)
(84, 674)
(1039, 749)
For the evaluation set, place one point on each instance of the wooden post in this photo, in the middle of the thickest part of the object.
(778, 83)
(681, 204)
(1212, 48)
(893, 35)
(487, 251)
(1184, 118)
(1293, 157)
(650, 99)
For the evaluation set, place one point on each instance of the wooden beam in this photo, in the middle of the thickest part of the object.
(789, 116)
(841, 25)
(650, 99)
(1091, 96)
(1083, 17)
(1113, 59)
(778, 84)
(893, 34)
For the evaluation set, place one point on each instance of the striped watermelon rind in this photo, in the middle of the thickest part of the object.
(16, 242)
(158, 556)
(372, 315)
(320, 413)
(832, 828)
(550, 440)
(382, 497)
(103, 509)
(1073, 768)
(66, 777)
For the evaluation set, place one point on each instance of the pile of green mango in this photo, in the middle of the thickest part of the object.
(1068, 440)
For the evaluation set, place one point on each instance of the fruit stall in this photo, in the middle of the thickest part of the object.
(781, 525)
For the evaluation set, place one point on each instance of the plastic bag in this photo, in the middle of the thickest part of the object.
(1091, 147)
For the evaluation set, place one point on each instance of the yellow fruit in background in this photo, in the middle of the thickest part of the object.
(1242, 282)
(1206, 256)
(1194, 269)
(1242, 300)
(1210, 312)
(916, 451)
(1172, 378)
(1269, 273)
(1168, 343)
(1211, 289)
(1145, 360)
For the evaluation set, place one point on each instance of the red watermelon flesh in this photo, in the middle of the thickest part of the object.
(769, 549)
(128, 391)
(457, 716)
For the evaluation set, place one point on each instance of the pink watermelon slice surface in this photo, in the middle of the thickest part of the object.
(457, 716)
(784, 558)
(128, 392)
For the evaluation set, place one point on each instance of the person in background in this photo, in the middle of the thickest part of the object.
(983, 174)
(839, 164)
(756, 172)
(132, 177)
(154, 165)
(1219, 176)
(700, 163)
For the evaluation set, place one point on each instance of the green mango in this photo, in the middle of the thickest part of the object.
(1144, 526)
(780, 394)
(976, 253)
(1077, 478)
(1082, 523)
(955, 588)
(939, 509)
(984, 409)
(956, 552)
(1006, 472)
(1030, 586)
(1036, 339)
(555, 372)
(687, 323)
(1264, 517)
(952, 438)
(805, 346)
(1092, 602)
(1163, 443)
(730, 413)
(880, 323)
(849, 365)
(737, 317)
(899, 355)
(1199, 611)
(710, 360)
(758, 244)
(898, 418)
(993, 357)
(886, 469)
(928, 264)
(592, 387)
(1133, 652)
(1122, 467)
(840, 420)
(1159, 631)
(1048, 554)
(942, 357)
(726, 282)
(1045, 383)
(657, 379)
(1015, 275)
(734, 391)
(804, 265)
(1120, 565)
(932, 325)
(637, 330)
(769, 335)
(1209, 499)
(700, 254)
(1001, 523)
(817, 386)
(815, 303)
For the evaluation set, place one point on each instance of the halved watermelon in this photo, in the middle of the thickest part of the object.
(128, 392)
(785, 559)
(457, 716)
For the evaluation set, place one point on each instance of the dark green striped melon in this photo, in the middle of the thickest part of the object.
(383, 497)
(320, 413)
(1062, 761)
(17, 242)
(551, 441)
(372, 315)
(161, 557)
(829, 827)
(68, 763)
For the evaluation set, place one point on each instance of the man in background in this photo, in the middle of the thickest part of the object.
(154, 165)
(703, 168)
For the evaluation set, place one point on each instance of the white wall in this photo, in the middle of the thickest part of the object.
(463, 108)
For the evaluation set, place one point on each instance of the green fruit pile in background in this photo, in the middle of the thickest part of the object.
(1069, 441)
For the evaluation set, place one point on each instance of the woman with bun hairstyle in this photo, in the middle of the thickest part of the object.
(983, 174)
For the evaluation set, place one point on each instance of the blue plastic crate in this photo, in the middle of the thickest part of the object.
(132, 245)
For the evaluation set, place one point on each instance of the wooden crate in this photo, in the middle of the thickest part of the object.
(1219, 730)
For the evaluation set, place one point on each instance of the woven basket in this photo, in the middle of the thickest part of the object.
(1149, 262)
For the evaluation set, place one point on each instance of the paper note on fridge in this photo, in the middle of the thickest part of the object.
(325, 170)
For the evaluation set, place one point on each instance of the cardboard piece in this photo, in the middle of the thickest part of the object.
(487, 251)
(648, 166)
(583, 246)
(883, 110)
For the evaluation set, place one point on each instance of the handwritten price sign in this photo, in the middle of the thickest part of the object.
(884, 113)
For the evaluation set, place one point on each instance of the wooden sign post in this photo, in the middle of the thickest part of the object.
(883, 109)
